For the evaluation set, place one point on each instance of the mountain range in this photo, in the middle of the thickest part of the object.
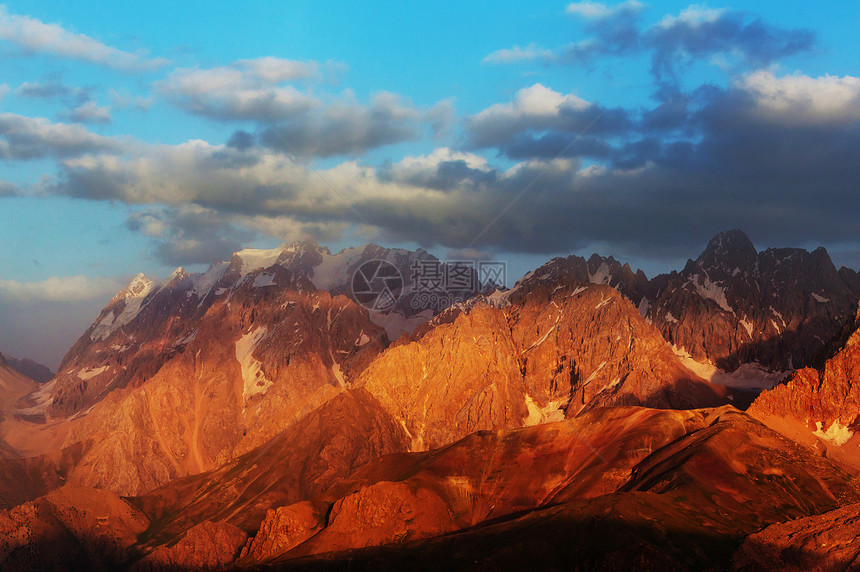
(293, 408)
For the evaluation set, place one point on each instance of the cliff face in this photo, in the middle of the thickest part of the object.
(733, 305)
(252, 366)
(821, 406)
(145, 325)
(546, 353)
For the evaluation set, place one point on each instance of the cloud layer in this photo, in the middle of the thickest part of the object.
(770, 153)
(544, 171)
(34, 36)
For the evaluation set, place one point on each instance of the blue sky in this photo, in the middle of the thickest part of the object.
(143, 137)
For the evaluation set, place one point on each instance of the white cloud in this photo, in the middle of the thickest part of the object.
(245, 91)
(518, 54)
(4, 89)
(35, 36)
(410, 165)
(693, 16)
(802, 100)
(278, 70)
(90, 112)
(24, 137)
(60, 289)
(533, 108)
(598, 11)
(535, 101)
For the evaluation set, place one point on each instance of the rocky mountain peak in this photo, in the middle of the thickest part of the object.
(729, 250)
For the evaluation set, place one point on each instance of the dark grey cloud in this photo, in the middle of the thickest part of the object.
(189, 235)
(770, 154)
(349, 128)
(293, 120)
(51, 89)
(698, 33)
(79, 101)
(542, 122)
(611, 31)
(241, 140)
(8, 189)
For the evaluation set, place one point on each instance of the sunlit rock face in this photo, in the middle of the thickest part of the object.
(148, 322)
(734, 316)
(821, 406)
(533, 356)
(829, 541)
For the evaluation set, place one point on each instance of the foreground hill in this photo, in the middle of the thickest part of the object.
(665, 489)
(829, 541)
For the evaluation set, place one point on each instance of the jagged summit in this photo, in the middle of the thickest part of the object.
(729, 250)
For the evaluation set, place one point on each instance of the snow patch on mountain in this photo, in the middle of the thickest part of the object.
(747, 376)
(837, 433)
(203, 283)
(263, 280)
(362, 340)
(594, 373)
(550, 413)
(254, 381)
(90, 373)
(333, 271)
(254, 258)
(711, 291)
(602, 276)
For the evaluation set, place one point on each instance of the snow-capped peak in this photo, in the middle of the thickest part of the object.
(131, 300)
(255, 258)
